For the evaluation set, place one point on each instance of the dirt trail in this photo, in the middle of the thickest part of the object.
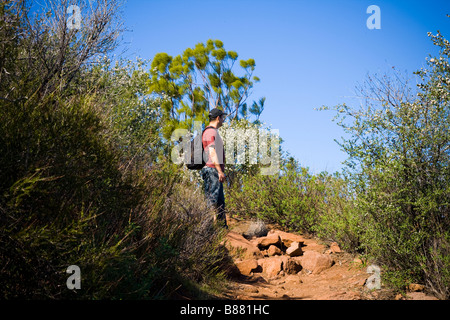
(271, 274)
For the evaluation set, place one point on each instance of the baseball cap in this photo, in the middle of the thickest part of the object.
(214, 113)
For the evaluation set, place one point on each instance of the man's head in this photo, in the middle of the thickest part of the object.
(216, 117)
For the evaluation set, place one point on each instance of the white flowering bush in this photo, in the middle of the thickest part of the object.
(251, 148)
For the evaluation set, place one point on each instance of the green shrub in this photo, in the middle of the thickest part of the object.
(295, 199)
(134, 234)
(337, 219)
(83, 179)
(399, 171)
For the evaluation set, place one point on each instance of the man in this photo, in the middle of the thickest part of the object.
(213, 172)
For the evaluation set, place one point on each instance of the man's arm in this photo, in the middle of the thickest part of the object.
(215, 160)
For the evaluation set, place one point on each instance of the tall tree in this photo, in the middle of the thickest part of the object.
(200, 79)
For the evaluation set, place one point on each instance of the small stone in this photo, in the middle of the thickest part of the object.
(271, 239)
(414, 287)
(246, 267)
(236, 243)
(273, 251)
(294, 250)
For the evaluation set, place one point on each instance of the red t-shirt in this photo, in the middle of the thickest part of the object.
(211, 138)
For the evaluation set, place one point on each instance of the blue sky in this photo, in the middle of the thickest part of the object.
(307, 53)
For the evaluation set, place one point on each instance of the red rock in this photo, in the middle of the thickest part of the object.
(399, 297)
(246, 267)
(273, 251)
(315, 261)
(288, 238)
(414, 287)
(269, 240)
(237, 243)
(272, 266)
(294, 250)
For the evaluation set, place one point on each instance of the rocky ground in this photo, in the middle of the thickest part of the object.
(278, 265)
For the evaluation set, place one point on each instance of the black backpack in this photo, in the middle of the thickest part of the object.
(191, 162)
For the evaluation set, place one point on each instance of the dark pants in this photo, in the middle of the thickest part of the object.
(214, 192)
